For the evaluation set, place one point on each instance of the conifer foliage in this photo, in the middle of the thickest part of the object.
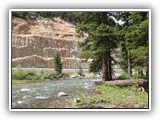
(134, 42)
(57, 63)
(101, 41)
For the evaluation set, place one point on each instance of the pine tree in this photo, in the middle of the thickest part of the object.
(100, 43)
(134, 41)
(57, 63)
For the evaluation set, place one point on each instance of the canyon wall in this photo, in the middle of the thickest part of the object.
(35, 42)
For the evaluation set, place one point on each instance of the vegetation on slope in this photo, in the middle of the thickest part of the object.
(112, 97)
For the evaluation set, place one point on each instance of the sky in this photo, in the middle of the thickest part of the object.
(118, 21)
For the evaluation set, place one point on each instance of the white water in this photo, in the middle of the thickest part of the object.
(24, 94)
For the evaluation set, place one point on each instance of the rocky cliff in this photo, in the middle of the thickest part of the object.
(34, 43)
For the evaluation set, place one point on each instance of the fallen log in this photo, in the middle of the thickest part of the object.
(124, 83)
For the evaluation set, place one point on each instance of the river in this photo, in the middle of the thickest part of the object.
(45, 94)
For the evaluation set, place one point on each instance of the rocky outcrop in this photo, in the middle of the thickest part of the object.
(34, 43)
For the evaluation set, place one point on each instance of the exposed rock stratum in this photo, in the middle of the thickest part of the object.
(34, 43)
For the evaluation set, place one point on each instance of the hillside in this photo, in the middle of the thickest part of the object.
(34, 43)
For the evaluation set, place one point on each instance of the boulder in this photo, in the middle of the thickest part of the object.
(62, 94)
(73, 76)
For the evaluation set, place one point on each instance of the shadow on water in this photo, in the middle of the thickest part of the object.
(45, 95)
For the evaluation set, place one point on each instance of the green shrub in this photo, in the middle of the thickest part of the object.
(31, 72)
(19, 74)
(49, 75)
(126, 76)
(22, 74)
(123, 76)
(37, 77)
(137, 76)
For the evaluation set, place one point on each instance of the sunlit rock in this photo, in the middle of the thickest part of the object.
(23, 90)
(62, 94)
(34, 43)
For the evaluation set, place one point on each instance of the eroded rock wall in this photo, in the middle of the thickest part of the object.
(34, 43)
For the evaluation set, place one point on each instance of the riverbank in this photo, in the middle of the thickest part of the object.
(115, 97)
(33, 75)
(79, 94)
(102, 97)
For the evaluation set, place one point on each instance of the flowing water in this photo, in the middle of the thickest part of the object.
(41, 95)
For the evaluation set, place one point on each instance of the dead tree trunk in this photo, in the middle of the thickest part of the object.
(125, 83)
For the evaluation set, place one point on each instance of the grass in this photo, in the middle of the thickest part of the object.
(15, 81)
(22, 76)
(116, 97)
(126, 76)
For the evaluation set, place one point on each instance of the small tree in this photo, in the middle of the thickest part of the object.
(80, 71)
(57, 63)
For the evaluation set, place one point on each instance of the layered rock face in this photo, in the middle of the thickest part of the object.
(34, 43)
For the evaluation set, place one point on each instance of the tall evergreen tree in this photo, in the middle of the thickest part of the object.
(101, 41)
(134, 41)
(57, 63)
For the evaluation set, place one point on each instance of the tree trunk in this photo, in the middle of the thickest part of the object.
(104, 70)
(109, 65)
(141, 73)
(110, 70)
(125, 83)
(129, 65)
